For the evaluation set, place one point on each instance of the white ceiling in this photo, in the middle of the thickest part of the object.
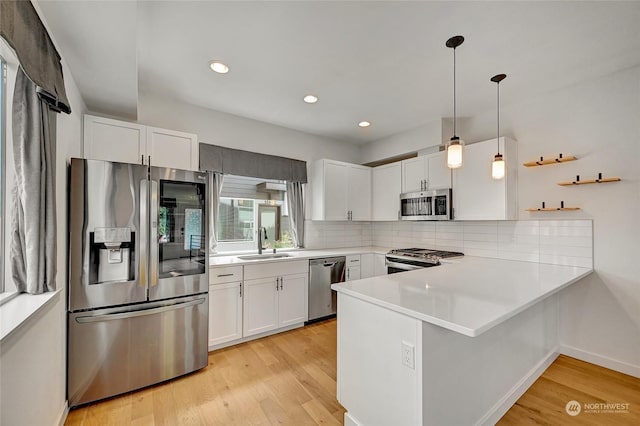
(384, 62)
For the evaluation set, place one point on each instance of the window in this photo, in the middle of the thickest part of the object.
(246, 204)
(3, 84)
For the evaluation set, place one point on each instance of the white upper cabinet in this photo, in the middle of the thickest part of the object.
(386, 189)
(169, 148)
(340, 191)
(359, 192)
(426, 172)
(115, 140)
(476, 195)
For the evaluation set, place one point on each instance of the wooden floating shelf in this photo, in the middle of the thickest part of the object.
(588, 181)
(543, 162)
(553, 209)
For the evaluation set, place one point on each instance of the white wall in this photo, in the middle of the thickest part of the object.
(33, 360)
(413, 140)
(219, 128)
(596, 121)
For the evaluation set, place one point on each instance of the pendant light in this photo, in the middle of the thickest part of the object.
(454, 148)
(497, 167)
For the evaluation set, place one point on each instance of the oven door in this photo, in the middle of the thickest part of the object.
(395, 265)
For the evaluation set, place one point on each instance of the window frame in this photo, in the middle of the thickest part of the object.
(3, 167)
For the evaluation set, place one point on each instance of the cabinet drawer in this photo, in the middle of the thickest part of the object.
(353, 260)
(276, 269)
(225, 274)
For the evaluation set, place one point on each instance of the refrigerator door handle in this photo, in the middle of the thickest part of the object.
(134, 314)
(153, 237)
(144, 233)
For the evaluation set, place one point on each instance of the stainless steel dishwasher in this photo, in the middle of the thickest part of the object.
(322, 273)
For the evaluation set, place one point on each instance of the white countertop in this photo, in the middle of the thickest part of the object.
(468, 295)
(297, 254)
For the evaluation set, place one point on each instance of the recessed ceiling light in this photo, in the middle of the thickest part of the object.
(310, 99)
(219, 67)
(364, 124)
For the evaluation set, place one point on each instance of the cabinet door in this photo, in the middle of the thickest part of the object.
(413, 173)
(379, 267)
(476, 195)
(386, 189)
(260, 306)
(353, 273)
(292, 300)
(225, 313)
(335, 191)
(366, 265)
(359, 192)
(169, 148)
(439, 175)
(113, 140)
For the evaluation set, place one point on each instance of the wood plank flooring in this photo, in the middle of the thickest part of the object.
(569, 379)
(290, 379)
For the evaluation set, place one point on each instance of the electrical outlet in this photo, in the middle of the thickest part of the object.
(408, 355)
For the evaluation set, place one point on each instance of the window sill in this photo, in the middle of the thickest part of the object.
(21, 308)
(255, 251)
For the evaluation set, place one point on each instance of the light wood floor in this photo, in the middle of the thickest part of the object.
(290, 379)
(569, 379)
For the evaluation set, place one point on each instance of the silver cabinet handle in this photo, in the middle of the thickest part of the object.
(240, 289)
(225, 275)
(277, 282)
(281, 283)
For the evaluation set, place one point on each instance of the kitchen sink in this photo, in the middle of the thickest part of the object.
(264, 256)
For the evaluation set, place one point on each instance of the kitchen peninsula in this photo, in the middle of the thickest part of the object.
(455, 344)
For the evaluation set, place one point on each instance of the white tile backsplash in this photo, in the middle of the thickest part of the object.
(560, 242)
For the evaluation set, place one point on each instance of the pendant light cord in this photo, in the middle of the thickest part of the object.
(454, 92)
(498, 134)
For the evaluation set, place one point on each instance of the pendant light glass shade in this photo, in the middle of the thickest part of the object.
(454, 153)
(454, 148)
(497, 167)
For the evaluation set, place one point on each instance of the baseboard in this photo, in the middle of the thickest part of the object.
(212, 348)
(63, 416)
(349, 420)
(601, 360)
(506, 402)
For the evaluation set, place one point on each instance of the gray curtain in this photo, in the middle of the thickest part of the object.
(33, 228)
(295, 200)
(215, 183)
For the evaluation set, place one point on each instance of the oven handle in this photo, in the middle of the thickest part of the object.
(402, 266)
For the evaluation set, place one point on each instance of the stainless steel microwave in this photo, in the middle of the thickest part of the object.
(426, 205)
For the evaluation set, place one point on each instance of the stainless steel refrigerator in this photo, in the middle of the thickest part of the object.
(138, 277)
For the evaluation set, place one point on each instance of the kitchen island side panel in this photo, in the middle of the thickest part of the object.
(373, 385)
(474, 380)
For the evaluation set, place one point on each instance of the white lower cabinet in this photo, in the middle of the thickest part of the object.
(274, 302)
(379, 266)
(366, 265)
(260, 305)
(225, 312)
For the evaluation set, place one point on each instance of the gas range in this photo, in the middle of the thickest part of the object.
(399, 260)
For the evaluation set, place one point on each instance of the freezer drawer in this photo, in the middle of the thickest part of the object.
(112, 351)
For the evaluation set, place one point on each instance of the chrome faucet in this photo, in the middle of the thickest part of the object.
(260, 231)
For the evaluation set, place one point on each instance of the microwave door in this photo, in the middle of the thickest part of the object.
(178, 258)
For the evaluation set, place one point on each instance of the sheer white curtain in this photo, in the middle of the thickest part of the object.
(215, 185)
(295, 200)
